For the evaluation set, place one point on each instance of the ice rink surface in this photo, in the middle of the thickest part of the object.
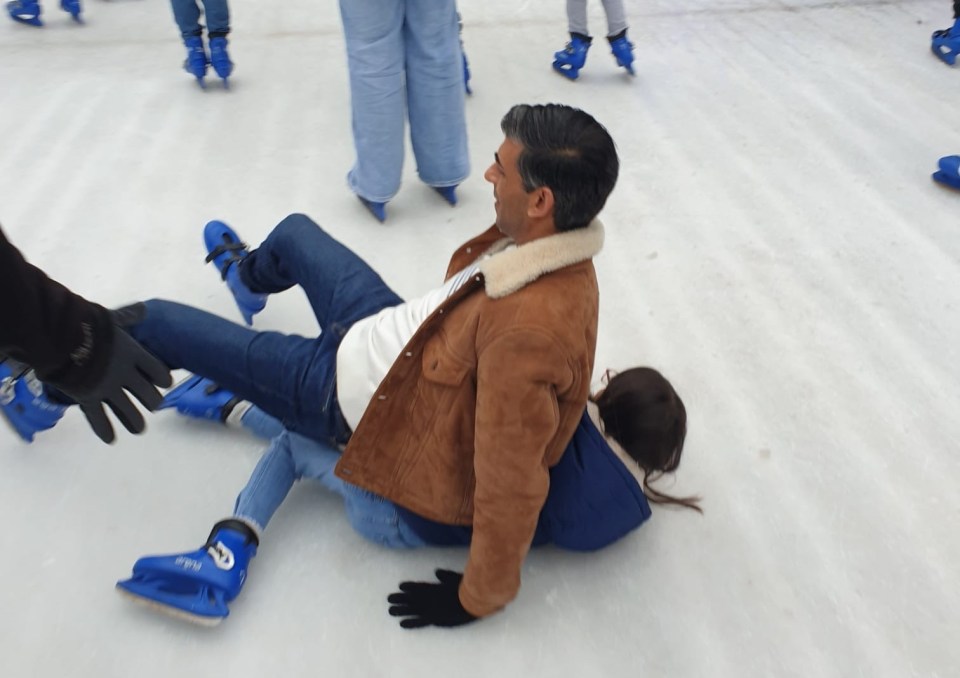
(775, 246)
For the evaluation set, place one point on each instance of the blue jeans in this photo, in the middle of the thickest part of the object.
(291, 457)
(187, 15)
(404, 57)
(291, 378)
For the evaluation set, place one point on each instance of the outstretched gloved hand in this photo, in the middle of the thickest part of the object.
(130, 368)
(426, 604)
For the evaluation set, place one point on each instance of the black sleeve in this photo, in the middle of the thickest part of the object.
(64, 337)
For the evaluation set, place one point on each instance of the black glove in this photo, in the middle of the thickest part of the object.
(129, 368)
(424, 604)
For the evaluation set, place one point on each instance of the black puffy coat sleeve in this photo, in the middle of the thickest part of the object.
(64, 337)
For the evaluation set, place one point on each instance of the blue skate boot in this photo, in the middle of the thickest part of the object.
(73, 8)
(23, 401)
(25, 11)
(949, 172)
(226, 251)
(946, 43)
(571, 59)
(196, 62)
(622, 50)
(220, 60)
(196, 586)
(449, 193)
(466, 64)
(377, 209)
(200, 398)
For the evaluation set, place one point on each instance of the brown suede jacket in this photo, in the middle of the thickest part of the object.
(483, 400)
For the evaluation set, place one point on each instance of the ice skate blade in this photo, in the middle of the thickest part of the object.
(568, 73)
(175, 612)
(35, 21)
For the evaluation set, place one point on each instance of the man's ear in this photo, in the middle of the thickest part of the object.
(541, 203)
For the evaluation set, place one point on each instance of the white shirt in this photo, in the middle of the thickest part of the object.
(371, 346)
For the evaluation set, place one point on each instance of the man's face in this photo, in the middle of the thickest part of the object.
(511, 201)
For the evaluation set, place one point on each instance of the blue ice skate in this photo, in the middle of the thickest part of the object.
(622, 50)
(25, 11)
(466, 75)
(220, 60)
(226, 251)
(200, 398)
(466, 64)
(23, 401)
(571, 59)
(449, 193)
(72, 7)
(949, 172)
(377, 209)
(946, 44)
(196, 586)
(197, 61)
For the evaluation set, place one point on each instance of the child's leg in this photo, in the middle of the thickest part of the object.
(292, 457)
(292, 378)
(577, 17)
(341, 287)
(616, 16)
(260, 423)
(187, 15)
(269, 484)
(218, 17)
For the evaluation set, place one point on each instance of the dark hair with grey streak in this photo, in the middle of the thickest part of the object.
(570, 153)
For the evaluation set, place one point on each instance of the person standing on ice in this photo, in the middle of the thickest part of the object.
(572, 58)
(187, 15)
(406, 64)
(52, 335)
(29, 11)
(454, 405)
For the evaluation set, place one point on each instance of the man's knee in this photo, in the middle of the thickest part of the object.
(295, 226)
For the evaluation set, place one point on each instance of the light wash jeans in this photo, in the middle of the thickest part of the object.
(292, 457)
(187, 15)
(405, 59)
(577, 16)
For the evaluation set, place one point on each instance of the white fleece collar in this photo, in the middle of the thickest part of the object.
(508, 270)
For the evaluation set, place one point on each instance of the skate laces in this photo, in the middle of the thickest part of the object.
(228, 246)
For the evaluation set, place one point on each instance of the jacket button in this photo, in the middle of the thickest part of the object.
(409, 354)
(469, 250)
(381, 397)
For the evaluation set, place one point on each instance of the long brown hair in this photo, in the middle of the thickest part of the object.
(641, 411)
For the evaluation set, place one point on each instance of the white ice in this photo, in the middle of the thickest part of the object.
(775, 246)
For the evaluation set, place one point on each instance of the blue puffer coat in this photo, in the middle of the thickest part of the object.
(593, 501)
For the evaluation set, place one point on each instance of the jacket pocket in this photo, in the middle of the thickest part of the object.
(440, 365)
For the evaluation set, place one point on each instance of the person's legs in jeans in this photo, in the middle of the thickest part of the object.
(373, 32)
(292, 378)
(435, 94)
(218, 18)
(340, 286)
(291, 457)
(187, 15)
